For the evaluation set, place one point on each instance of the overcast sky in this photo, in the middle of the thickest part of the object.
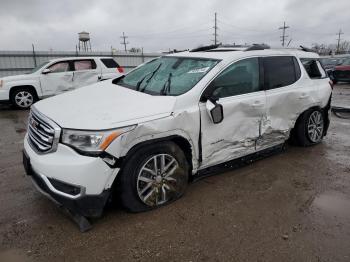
(159, 25)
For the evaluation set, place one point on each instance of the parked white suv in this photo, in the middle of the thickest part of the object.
(55, 77)
(145, 135)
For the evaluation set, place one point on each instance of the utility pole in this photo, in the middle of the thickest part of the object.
(215, 30)
(338, 39)
(124, 41)
(283, 36)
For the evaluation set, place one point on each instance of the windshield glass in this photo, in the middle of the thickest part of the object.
(329, 61)
(167, 75)
(38, 67)
(346, 61)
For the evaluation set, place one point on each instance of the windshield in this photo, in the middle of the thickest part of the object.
(329, 61)
(38, 67)
(346, 61)
(167, 75)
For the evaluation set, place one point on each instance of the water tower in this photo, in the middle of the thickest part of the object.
(84, 41)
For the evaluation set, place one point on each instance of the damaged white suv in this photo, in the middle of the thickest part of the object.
(146, 134)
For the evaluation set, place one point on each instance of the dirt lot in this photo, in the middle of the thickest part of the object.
(294, 206)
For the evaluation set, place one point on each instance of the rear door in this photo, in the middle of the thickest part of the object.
(239, 91)
(287, 94)
(58, 80)
(110, 68)
(86, 72)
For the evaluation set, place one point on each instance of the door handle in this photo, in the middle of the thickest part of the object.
(303, 96)
(257, 104)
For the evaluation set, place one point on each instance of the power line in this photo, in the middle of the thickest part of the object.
(124, 41)
(215, 30)
(338, 39)
(283, 36)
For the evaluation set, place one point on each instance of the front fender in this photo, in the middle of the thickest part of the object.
(18, 83)
(161, 129)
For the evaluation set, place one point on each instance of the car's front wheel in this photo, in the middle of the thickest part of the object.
(22, 97)
(153, 176)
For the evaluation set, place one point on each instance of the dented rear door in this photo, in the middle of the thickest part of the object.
(286, 94)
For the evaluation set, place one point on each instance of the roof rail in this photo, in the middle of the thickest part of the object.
(257, 47)
(306, 49)
(204, 48)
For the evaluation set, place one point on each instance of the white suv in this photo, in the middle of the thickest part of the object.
(146, 134)
(55, 77)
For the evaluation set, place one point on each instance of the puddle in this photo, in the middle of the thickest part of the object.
(333, 203)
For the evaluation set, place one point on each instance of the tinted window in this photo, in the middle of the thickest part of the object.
(109, 62)
(80, 65)
(280, 71)
(60, 67)
(313, 68)
(239, 78)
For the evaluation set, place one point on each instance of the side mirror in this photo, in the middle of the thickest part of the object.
(215, 111)
(46, 71)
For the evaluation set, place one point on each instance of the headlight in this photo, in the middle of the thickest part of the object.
(92, 141)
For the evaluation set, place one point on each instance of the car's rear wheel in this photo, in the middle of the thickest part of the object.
(309, 129)
(22, 97)
(153, 176)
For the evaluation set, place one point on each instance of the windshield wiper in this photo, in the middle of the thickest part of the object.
(138, 85)
(166, 88)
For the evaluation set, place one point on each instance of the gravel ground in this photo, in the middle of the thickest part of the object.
(293, 206)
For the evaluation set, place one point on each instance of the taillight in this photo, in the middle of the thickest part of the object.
(331, 83)
(120, 69)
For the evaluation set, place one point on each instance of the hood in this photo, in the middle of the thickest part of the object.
(19, 77)
(104, 106)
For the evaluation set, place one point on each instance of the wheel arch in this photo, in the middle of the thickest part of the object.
(29, 87)
(324, 110)
(180, 141)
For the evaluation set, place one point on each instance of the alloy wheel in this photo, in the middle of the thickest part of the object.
(159, 179)
(24, 99)
(315, 126)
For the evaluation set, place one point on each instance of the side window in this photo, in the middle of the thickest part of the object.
(109, 62)
(239, 78)
(313, 68)
(59, 67)
(280, 71)
(80, 65)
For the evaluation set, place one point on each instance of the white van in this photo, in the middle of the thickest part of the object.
(143, 136)
(55, 77)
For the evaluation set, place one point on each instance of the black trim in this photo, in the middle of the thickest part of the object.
(87, 206)
(261, 73)
(238, 162)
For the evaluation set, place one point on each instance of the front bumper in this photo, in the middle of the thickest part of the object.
(79, 183)
(4, 95)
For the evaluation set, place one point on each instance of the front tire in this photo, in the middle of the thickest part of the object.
(309, 129)
(153, 176)
(22, 98)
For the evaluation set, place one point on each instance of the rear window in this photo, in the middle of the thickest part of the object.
(313, 68)
(80, 65)
(110, 62)
(280, 71)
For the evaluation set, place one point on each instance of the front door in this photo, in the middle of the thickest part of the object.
(58, 79)
(239, 90)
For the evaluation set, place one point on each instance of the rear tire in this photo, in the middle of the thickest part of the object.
(23, 97)
(309, 129)
(153, 176)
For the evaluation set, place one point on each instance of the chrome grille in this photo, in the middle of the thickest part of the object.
(43, 133)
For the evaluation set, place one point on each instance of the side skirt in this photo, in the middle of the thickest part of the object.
(239, 162)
